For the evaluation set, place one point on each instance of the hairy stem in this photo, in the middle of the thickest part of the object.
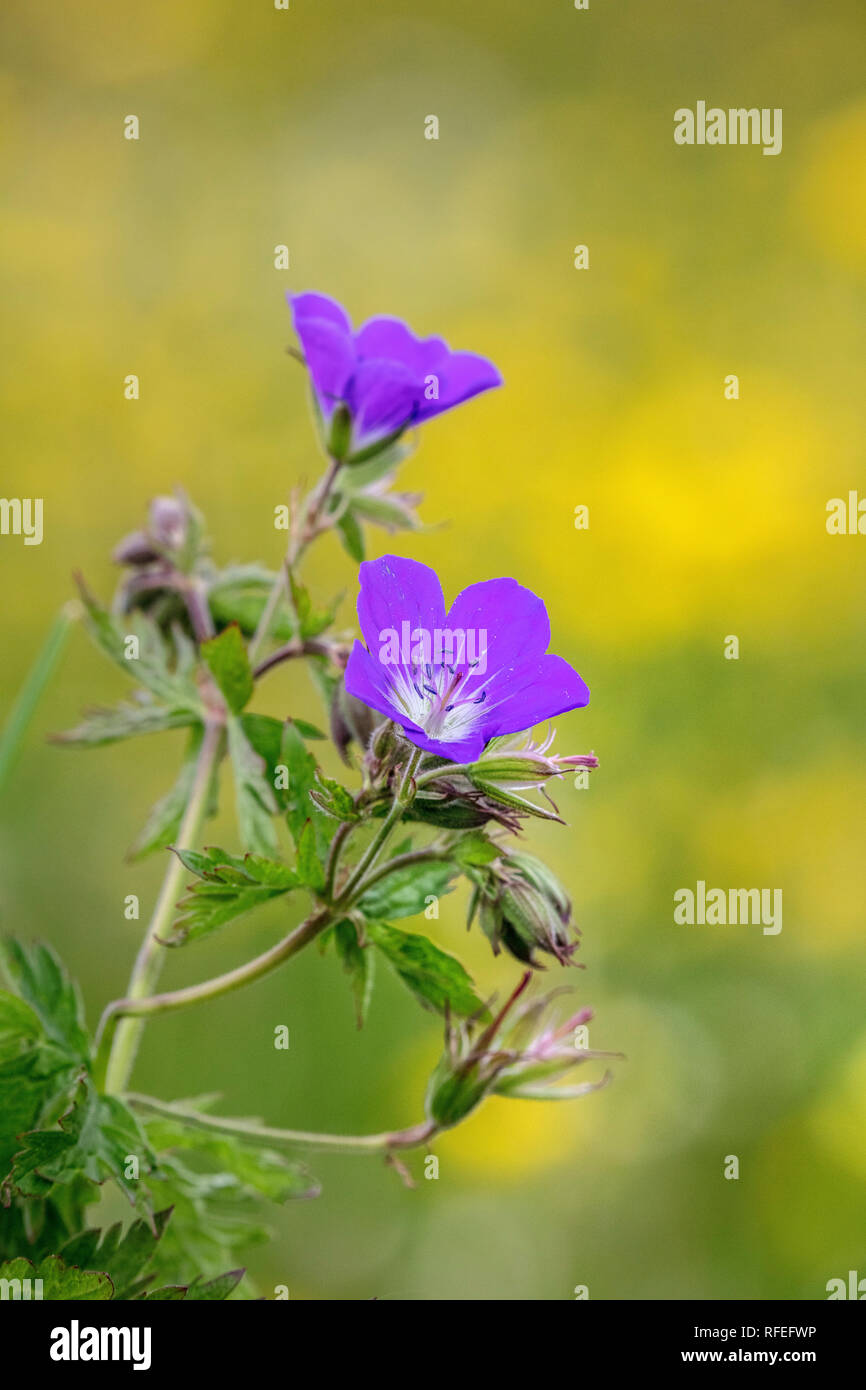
(136, 1006)
(309, 646)
(299, 538)
(149, 961)
(385, 1142)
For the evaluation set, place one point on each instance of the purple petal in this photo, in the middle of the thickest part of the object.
(381, 397)
(330, 358)
(464, 751)
(513, 619)
(524, 695)
(393, 591)
(318, 306)
(366, 679)
(461, 376)
(391, 338)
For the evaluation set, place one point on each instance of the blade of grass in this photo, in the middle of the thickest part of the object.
(15, 729)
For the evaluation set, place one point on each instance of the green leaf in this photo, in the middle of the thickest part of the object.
(152, 667)
(229, 887)
(59, 1283)
(19, 1026)
(358, 962)
(239, 593)
(475, 850)
(265, 736)
(310, 865)
(165, 819)
(124, 1255)
(405, 892)
(436, 979)
(103, 726)
(43, 1045)
(394, 512)
(216, 1290)
(226, 658)
(307, 730)
(31, 1085)
(96, 1138)
(381, 462)
(216, 1193)
(254, 794)
(351, 535)
(37, 976)
(40, 1226)
(334, 799)
(300, 808)
(214, 1216)
(261, 1169)
(312, 620)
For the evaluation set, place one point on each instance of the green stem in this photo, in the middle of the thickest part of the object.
(430, 855)
(149, 961)
(16, 726)
(403, 798)
(385, 1142)
(136, 1006)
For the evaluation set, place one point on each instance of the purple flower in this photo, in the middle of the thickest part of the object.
(454, 681)
(382, 375)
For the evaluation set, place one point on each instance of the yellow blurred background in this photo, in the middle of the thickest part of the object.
(305, 127)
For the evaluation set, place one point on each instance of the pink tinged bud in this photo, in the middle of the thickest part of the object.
(135, 549)
(168, 522)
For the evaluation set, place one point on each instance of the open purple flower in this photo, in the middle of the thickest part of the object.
(381, 378)
(455, 680)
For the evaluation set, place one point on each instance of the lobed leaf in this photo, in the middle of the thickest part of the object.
(229, 887)
(405, 891)
(437, 979)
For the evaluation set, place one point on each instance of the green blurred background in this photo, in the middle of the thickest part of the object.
(306, 127)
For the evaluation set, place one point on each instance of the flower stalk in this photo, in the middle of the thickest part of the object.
(149, 961)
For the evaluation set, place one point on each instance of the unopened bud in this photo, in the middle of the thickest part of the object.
(135, 549)
(168, 522)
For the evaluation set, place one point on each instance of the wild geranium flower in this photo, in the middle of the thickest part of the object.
(455, 680)
(373, 383)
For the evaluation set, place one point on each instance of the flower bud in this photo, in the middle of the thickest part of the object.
(523, 907)
(514, 1054)
(169, 519)
(135, 549)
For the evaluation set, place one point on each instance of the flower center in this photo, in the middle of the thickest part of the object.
(434, 697)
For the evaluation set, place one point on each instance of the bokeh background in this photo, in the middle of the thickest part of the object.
(707, 518)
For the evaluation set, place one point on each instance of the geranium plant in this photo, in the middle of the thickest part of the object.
(433, 712)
